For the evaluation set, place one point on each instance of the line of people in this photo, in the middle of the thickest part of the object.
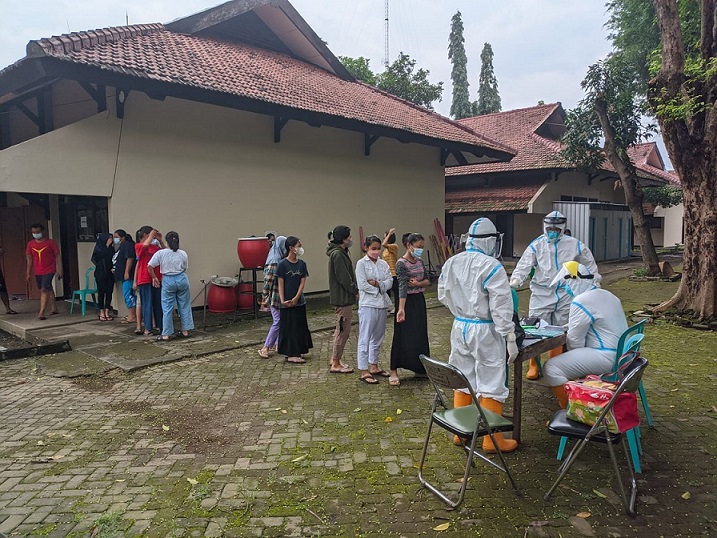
(378, 275)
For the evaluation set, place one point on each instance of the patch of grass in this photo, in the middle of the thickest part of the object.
(44, 531)
(110, 525)
(635, 294)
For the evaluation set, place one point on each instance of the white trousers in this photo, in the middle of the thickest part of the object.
(576, 364)
(478, 351)
(372, 330)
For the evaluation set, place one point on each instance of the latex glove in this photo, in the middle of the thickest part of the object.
(598, 284)
(511, 347)
(514, 283)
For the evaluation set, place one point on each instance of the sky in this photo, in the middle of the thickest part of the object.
(542, 47)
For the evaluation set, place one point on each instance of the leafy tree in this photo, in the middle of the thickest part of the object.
(461, 105)
(400, 79)
(359, 68)
(683, 96)
(488, 97)
(605, 123)
(666, 196)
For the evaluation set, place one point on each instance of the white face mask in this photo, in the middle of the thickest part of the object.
(37, 236)
(116, 240)
(156, 242)
(299, 252)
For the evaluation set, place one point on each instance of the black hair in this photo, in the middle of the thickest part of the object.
(123, 234)
(391, 238)
(38, 226)
(404, 237)
(173, 241)
(413, 238)
(270, 235)
(290, 242)
(371, 239)
(339, 234)
(144, 230)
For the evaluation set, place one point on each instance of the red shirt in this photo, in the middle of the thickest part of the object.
(44, 253)
(143, 257)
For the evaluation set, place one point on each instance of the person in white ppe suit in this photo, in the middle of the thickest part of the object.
(474, 286)
(596, 322)
(546, 255)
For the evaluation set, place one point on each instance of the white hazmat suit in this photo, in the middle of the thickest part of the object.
(474, 286)
(597, 320)
(547, 254)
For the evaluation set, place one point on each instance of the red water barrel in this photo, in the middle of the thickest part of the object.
(252, 251)
(221, 297)
(245, 295)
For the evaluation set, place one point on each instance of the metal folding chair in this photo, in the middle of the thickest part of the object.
(561, 425)
(469, 423)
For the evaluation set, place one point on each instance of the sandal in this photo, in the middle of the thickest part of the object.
(382, 373)
(295, 360)
(138, 332)
(41, 317)
(264, 354)
(11, 311)
(394, 381)
(181, 335)
(369, 379)
(343, 369)
(163, 338)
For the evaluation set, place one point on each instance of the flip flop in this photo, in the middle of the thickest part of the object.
(342, 370)
(53, 313)
(382, 373)
(295, 360)
(163, 338)
(263, 354)
(394, 381)
(369, 379)
(181, 335)
(11, 311)
(138, 331)
(41, 317)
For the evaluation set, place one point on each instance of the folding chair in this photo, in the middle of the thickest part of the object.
(561, 425)
(468, 423)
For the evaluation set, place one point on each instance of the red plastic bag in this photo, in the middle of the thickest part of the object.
(588, 397)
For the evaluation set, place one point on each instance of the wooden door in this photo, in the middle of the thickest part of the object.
(14, 235)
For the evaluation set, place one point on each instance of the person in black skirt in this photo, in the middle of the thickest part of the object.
(102, 258)
(294, 334)
(410, 327)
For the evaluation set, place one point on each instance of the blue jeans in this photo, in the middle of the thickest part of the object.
(175, 289)
(151, 298)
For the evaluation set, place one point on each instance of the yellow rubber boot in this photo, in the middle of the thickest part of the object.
(506, 445)
(460, 399)
(561, 395)
(533, 371)
(555, 352)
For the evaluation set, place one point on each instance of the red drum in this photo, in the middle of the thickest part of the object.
(221, 297)
(245, 295)
(252, 251)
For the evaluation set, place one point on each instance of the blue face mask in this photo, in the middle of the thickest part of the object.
(116, 240)
(552, 235)
(417, 252)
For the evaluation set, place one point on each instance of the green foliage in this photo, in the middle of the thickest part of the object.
(359, 68)
(460, 106)
(691, 101)
(488, 96)
(400, 79)
(666, 196)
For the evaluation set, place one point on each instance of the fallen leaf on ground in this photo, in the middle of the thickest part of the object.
(357, 410)
(601, 495)
(41, 443)
(686, 495)
(300, 458)
(304, 421)
(442, 527)
(165, 427)
(333, 449)
(284, 411)
(192, 481)
(399, 411)
(388, 419)
(583, 515)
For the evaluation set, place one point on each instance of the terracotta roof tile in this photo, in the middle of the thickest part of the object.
(151, 51)
(501, 195)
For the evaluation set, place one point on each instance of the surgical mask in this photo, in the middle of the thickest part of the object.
(116, 240)
(155, 242)
(351, 243)
(417, 252)
(374, 254)
(553, 235)
(299, 252)
(37, 236)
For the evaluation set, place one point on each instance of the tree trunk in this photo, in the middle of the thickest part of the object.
(633, 193)
(691, 141)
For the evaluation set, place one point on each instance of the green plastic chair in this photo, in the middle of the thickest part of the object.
(82, 294)
(469, 423)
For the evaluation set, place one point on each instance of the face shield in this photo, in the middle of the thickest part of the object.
(574, 278)
(554, 225)
(483, 237)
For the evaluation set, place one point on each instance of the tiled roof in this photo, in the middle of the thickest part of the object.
(642, 154)
(502, 195)
(153, 52)
(515, 128)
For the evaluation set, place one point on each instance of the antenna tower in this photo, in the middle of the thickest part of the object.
(385, 59)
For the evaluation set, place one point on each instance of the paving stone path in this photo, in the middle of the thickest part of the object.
(232, 445)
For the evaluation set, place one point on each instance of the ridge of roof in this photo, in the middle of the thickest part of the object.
(550, 108)
(76, 41)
